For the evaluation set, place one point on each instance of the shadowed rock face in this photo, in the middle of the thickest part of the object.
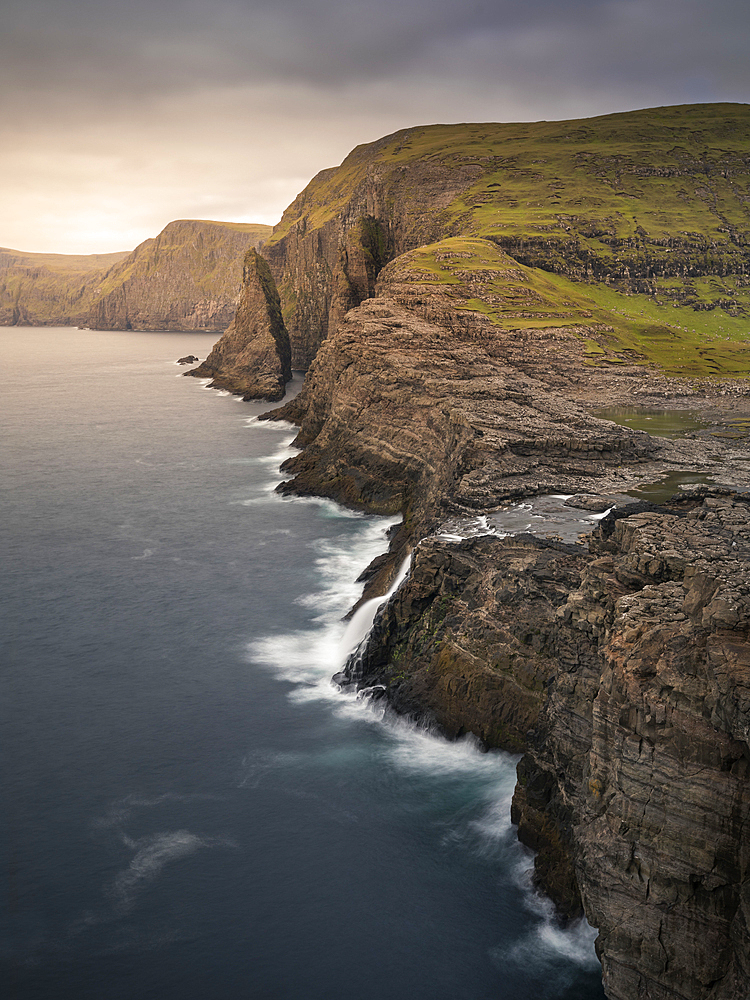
(252, 358)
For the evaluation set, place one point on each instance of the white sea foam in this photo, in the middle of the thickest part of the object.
(308, 658)
(548, 945)
(151, 855)
(600, 517)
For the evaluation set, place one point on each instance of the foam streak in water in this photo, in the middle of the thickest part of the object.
(470, 790)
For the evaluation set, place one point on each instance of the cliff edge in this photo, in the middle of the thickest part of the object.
(253, 357)
(620, 668)
(465, 300)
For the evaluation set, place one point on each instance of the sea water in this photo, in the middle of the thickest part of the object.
(191, 810)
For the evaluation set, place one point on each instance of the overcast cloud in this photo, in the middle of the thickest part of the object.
(117, 117)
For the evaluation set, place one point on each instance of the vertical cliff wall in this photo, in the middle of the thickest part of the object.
(253, 357)
(624, 670)
(187, 278)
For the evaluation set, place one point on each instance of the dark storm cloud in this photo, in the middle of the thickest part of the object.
(119, 115)
(149, 47)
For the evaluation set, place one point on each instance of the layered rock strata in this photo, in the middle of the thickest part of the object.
(253, 357)
(620, 668)
(623, 668)
(419, 402)
(187, 278)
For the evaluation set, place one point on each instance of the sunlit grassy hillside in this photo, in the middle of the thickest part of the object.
(647, 213)
(631, 327)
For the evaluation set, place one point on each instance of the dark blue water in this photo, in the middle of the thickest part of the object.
(191, 811)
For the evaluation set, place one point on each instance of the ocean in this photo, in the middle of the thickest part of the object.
(192, 811)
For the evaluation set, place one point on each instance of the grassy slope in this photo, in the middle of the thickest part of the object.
(517, 297)
(62, 263)
(664, 193)
(540, 177)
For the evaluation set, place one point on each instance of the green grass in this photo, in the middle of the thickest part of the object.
(626, 328)
(608, 175)
(512, 296)
(676, 339)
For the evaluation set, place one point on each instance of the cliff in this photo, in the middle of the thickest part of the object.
(252, 358)
(39, 289)
(187, 278)
(620, 668)
(464, 299)
(623, 667)
(648, 203)
(420, 401)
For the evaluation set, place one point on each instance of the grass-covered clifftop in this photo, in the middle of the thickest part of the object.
(516, 297)
(650, 207)
(188, 277)
(43, 289)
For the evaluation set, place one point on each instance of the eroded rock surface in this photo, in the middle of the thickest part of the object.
(420, 403)
(252, 358)
(623, 668)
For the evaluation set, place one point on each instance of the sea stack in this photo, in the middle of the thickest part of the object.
(253, 356)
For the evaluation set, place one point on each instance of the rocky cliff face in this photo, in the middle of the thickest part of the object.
(652, 202)
(624, 669)
(420, 402)
(50, 289)
(187, 278)
(252, 358)
(453, 366)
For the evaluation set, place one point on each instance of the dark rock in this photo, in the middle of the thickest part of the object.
(623, 670)
(189, 359)
(596, 505)
(252, 358)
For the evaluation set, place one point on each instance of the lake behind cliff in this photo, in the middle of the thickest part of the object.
(192, 811)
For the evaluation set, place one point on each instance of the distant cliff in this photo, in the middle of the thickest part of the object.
(187, 278)
(39, 289)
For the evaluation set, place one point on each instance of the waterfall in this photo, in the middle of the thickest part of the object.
(354, 640)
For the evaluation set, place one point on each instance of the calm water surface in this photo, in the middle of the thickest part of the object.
(191, 810)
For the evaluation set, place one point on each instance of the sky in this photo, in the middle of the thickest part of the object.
(118, 116)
